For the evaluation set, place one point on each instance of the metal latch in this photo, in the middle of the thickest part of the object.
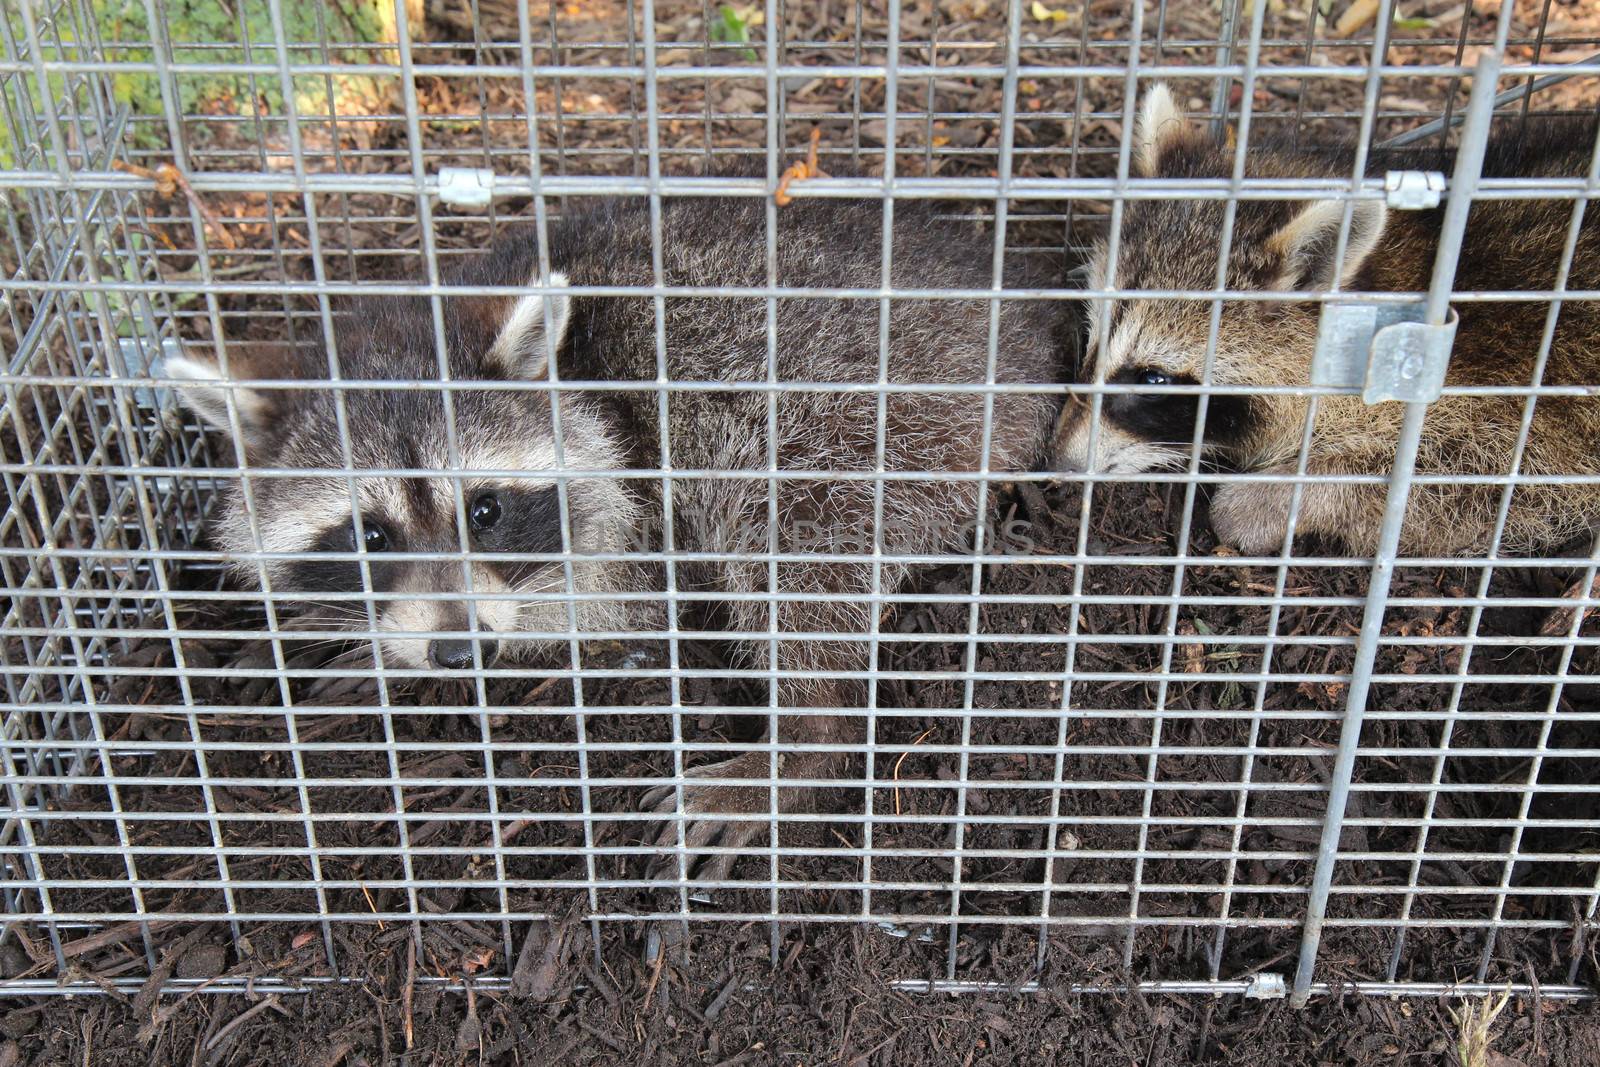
(1386, 350)
(1413, 190)
(1268, 985)
(137, 363)
(896, 930)
(466, 186)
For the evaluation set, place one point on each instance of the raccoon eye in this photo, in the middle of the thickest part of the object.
(376, 538)
(485, 511)
(1154, 377)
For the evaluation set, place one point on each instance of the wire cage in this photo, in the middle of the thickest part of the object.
(1119, 752)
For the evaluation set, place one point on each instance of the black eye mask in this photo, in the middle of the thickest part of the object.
(525, 520)
(344, 575)
(1168, 418)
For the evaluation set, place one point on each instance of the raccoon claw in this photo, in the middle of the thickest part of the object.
(800, 171)
(1253, 517)
(702, 828)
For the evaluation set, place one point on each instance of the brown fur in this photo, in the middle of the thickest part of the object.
(1510, 245)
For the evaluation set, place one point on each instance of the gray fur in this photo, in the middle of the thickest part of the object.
(704, 243)
(1510, 244)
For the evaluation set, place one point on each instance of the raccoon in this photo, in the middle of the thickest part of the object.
(796, 437)
(1510, 244)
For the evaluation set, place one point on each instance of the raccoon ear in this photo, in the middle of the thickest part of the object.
(523, 348)
(204, 390)
(1161, 127)
(1308, 243)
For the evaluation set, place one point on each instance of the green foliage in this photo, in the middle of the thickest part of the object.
(210, 31)
(217, 32)
(732, 26)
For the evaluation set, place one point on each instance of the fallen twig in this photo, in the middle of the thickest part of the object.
(1560, 620)
(144, 1001)
(169, 179)
(239, 1020)
(111, 935)
(655, 976)
(895, 774)
(411, 983)
(105, 986)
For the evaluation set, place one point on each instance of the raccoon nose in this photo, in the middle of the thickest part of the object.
(455, 654)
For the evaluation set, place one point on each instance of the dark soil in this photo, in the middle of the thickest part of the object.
(828, 1000)
(544, 996)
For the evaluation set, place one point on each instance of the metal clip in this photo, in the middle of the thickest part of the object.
(896, 930)
(1413, 190)
(466, 186)
(1409, 360)
(1268, 985)
(1386, 350)
(136, 363)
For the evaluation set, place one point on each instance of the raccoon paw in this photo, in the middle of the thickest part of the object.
(1252, 516)
(703, 827)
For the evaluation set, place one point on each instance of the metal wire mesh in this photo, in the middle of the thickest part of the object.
(1092, 739)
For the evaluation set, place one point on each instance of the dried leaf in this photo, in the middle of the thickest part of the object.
(1048, 14)
(1355, 17)
(477, 960)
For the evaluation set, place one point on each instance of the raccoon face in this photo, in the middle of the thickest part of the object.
(1157, 345)
(397, 522)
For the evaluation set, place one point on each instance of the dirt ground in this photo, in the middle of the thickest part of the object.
(826, 1002)
(830, 996)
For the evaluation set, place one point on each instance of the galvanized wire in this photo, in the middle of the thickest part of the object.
(1242, 824)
